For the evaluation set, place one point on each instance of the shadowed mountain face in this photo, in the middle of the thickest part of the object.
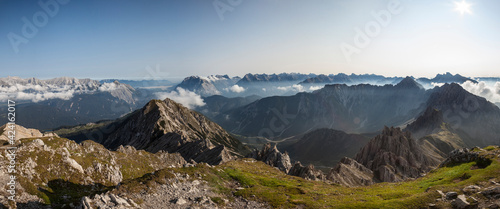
(436, 137)
(265, 78)
(464, 111)
(360, 108)
(215, 105)
(342, 78)
(325, 147)
(169, 126)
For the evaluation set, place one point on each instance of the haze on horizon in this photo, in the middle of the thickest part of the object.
(174, 39)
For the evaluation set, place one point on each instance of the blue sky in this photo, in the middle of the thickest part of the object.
(177, 38)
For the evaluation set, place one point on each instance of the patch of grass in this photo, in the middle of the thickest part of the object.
(490, 148)
(217, 200)
(263, 183)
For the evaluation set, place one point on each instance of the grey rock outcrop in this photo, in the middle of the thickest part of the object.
(107, 200)
(460, 202)
(273, 157)
(395, 156)
(462, 155)
(349, 172)
(307, 172)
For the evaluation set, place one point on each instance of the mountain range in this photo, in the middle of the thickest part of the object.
(334, 138)
(49, 104)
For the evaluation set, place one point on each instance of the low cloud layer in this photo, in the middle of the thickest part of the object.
(35, 93)
(38, 93)
(314, 88)
(187, 98)
(295, 87)
(235, 89)
(490, 91)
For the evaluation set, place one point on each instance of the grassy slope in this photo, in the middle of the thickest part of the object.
(263, 183)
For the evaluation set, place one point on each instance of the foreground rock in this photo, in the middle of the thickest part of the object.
(307, 172)
(273, 157)
(182, 191)
(349, 172)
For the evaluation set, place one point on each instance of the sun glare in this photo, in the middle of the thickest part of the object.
(463, 7)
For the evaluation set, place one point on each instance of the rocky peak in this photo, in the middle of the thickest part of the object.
(167, 125)
(273, 157)
(395, 156)
(409, 83)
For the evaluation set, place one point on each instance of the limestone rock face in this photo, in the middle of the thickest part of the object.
(307, 172)
(169, 126)
(349, 172)
(52, 163)
(395, 156)
(22, 132)
(273, 157)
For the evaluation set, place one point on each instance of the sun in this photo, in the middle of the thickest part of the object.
(463, 7)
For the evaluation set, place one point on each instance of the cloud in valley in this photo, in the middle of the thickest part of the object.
(35, 93)
(235, 89)
(314, 88)
(185, 97)
(489, 91)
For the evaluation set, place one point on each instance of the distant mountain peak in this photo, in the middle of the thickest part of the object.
(450, 78)
(198, 85)
(409, 83)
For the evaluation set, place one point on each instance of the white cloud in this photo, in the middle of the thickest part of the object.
(295, 87)
(108, 87)
(185, 97)
(491, 92)
(438, 84)
(235, 89)
(298, 87)
(314, 88)
(37, 96)
(283, 88)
